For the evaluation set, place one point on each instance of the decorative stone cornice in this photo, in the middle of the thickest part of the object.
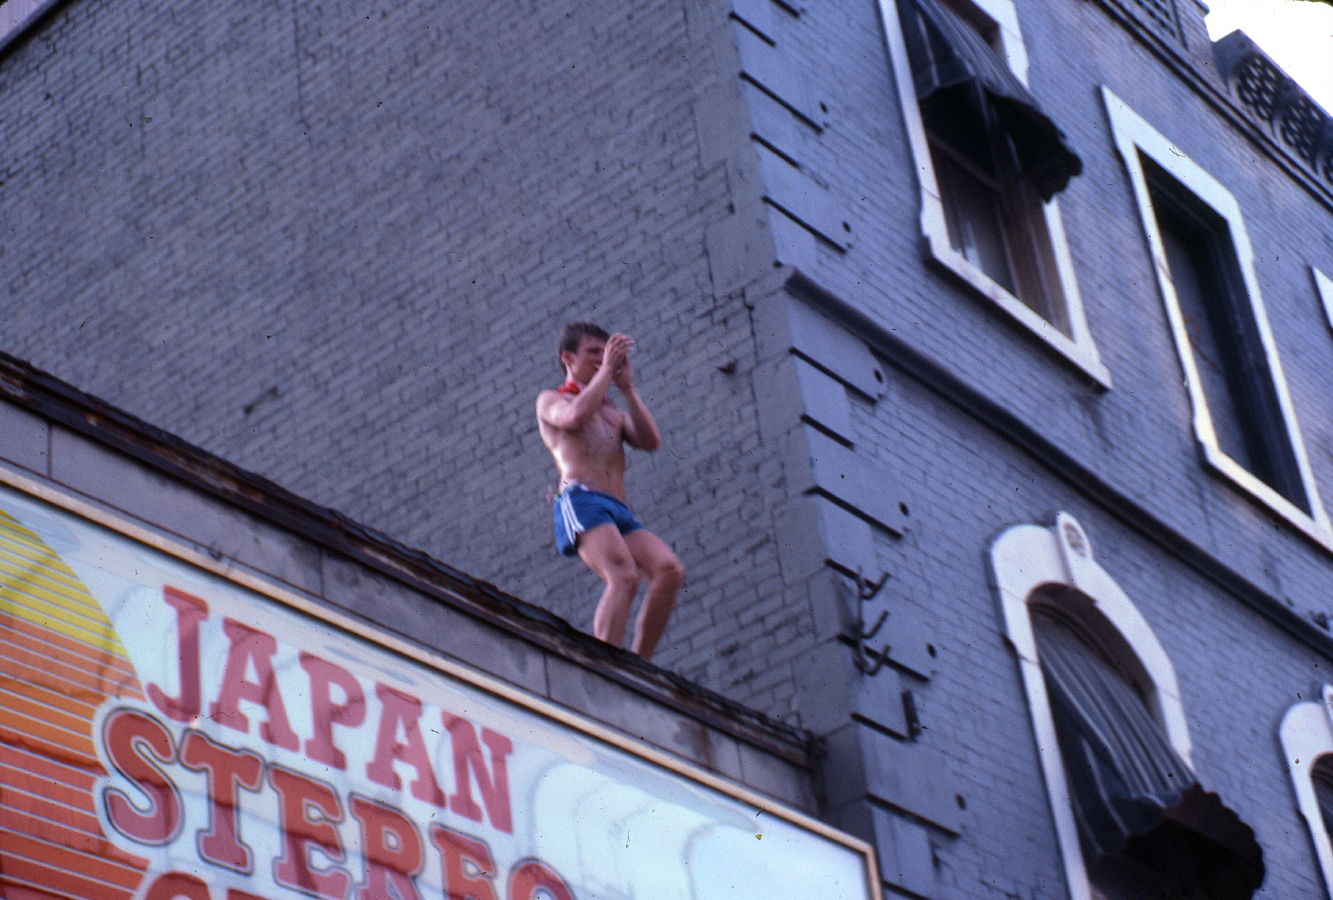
(1276, 103)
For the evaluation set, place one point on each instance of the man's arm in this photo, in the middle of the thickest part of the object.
(572, 413)
(640, 430)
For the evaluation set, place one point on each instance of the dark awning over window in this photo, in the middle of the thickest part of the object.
(948, 55)
(1139, 807)
(1322, 776)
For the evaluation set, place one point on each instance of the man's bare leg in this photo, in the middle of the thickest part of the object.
(604, 551)
(659, 564)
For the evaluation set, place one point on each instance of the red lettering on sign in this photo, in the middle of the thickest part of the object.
(299, 800)
(190, 611)
(468, 761)
(392, 850)
(252, 647)
(135, 744)
(177, 885)
(324, 713)
(467, 865)
(228, 771)
(532, 876)
(399, 711)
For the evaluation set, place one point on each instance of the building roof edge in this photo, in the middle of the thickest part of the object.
(37, 391)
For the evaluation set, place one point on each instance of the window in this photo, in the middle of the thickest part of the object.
(991, 213)
(1131, 817)
(1242, 417)
(1307, 743)
(1225, 347)
(990, 163)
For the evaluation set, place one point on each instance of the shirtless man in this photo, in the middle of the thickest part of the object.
(587, 433)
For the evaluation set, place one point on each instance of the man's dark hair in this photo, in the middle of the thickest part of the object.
(573, 335)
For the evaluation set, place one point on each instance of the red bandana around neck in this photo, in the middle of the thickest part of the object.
(570, 387)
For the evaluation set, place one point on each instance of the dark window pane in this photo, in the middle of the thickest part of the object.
(994, 217)
(972, 211)
(1322, 775)
(1224, 340)
(1195, 283)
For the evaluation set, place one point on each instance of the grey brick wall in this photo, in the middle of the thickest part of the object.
(335, 245)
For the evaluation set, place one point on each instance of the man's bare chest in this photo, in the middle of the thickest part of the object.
(608, 422)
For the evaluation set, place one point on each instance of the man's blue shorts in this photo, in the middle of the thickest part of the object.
(579, 509)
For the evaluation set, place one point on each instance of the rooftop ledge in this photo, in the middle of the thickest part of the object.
(58, 402)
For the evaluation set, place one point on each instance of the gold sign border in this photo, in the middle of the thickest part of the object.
(123, 524)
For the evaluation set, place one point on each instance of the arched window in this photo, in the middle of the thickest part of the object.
(1132, 819)
(1307, 743)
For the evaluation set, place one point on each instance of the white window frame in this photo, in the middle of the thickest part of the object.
(1135, 139)
(1025, 558)
(1306, 734)
(1078, 346)
(1323, 286)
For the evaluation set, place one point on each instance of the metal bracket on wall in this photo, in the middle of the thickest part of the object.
(867, 659)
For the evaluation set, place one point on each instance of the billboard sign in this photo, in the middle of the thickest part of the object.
(170, 730)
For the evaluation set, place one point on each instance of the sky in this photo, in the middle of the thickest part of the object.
(1296, 34)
